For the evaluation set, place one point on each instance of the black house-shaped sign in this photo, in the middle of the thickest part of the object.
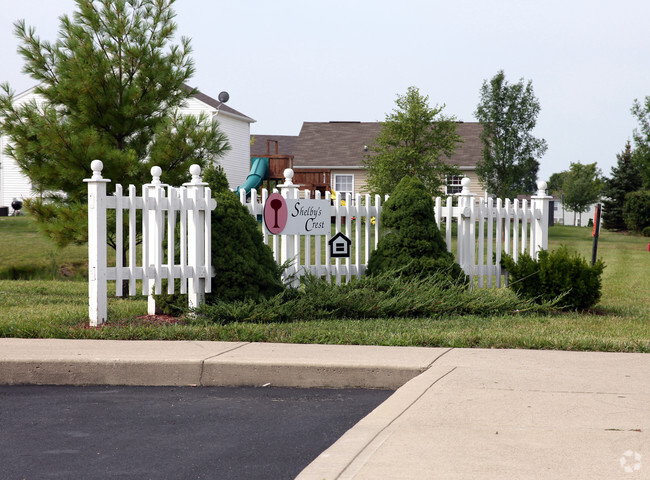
(340, 246)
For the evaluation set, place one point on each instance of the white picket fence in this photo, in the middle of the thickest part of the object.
(163, 208)
(363, 230)
(485, 230)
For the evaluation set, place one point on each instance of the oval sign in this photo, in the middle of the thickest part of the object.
(276, 213)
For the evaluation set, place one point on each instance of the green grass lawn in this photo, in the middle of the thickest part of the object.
(28, 254)
(621, 322)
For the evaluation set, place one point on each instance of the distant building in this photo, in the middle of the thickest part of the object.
(329, 155)
(563, 216)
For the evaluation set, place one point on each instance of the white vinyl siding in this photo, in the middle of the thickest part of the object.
(237, 161)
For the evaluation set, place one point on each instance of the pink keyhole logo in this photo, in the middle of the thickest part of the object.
(276, 213)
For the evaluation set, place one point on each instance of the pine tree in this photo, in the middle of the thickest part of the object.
(625, 178)
(412, 243)
(112, 85)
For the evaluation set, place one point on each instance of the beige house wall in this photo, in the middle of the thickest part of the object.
(475, 186)
(361, 175)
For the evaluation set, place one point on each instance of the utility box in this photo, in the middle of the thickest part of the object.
(4, 211)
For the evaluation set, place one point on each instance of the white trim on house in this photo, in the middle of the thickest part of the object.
(453, 183)
(337, 190)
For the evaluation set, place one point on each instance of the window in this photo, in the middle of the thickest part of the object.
(344, 184)
(453, 184)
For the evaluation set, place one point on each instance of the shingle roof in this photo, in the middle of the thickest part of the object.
(341, 144)
(334, 143)
(470, 151)
(286, 144)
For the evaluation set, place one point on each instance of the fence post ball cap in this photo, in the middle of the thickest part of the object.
(465, 182)
(195, 170)
(288, 173)
(97, 166)
(541, 187)
(156, 172)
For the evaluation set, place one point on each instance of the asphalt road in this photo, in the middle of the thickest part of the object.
(171, 432)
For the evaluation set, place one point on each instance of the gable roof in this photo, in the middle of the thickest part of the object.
(214, 103)
(343, 144)
(223, 108)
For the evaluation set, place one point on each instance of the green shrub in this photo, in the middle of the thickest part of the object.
(636, 210)
(385, 295)
(411, 241)
(558, 275)
(646, 232)
(244, 265)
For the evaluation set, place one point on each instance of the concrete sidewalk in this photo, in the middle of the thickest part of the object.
(455, 414)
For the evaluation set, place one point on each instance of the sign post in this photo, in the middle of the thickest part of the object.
(595, 233)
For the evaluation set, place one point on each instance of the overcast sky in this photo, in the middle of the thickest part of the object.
(288, 61)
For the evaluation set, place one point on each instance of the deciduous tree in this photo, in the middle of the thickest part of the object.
(414, 140)
(582, 187)
(508, 114)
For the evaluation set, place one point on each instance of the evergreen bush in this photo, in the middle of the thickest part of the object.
(411, 241)
(557, 276)
(384, 295)
(244, 264)
(636, 210)
(245, 268)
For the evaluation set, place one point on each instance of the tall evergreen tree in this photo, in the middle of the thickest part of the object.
(641, 154)
(508, 114)
(413, 140)
(625, 178)
(112, 83)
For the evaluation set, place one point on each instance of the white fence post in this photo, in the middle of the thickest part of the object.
(152, 214)
(288, 248)
(541, 211)
(97, 301)
(466, 227)
(196, 241)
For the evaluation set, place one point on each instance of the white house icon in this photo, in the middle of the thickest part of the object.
(340, 246)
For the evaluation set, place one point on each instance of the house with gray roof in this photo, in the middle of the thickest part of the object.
(330, 154)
